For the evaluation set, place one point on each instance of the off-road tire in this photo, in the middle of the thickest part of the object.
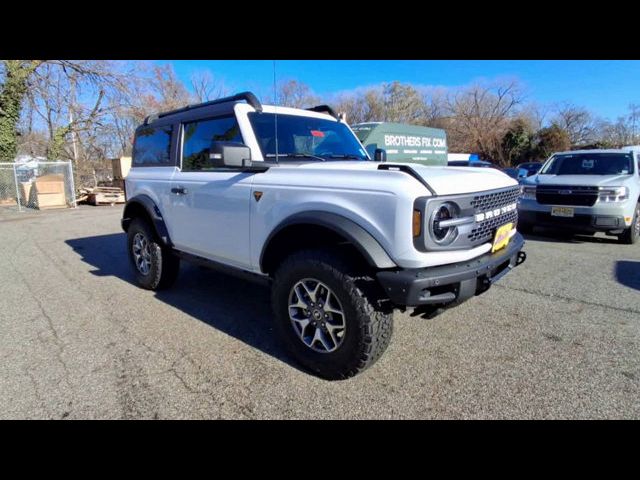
(164, 264)
(631, 234)
(368, 314)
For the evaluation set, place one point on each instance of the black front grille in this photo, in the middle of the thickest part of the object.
(490, 201)
(567, 195)
(487, 229)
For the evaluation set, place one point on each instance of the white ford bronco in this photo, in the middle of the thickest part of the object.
(291, 197)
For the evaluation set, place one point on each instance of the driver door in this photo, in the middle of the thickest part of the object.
(210, 207)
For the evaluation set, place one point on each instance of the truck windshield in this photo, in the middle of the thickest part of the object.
(589, 164)
(305, 138)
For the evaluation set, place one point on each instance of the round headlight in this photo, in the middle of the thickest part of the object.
(444, 235)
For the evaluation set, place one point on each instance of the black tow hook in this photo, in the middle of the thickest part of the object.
(522, 256)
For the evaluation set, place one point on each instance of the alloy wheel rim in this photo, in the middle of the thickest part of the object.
(316, 315)
(141, 253)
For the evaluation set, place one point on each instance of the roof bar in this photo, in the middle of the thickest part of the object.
(249, 97)
(325, 109)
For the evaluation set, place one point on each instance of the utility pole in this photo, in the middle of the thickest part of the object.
(71, 105)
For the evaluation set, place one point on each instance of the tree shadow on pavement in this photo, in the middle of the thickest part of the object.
(234, 306)
(559, 236)
(627, 273)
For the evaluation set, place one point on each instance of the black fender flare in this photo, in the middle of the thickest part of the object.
(152, 210)
(362, 240)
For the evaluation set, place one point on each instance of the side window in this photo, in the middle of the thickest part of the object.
(152, 146)
(198, 137)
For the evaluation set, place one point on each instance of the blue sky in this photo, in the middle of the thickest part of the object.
(606, 87)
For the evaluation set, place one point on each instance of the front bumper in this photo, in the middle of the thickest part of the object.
(579, 222)
(447, 284)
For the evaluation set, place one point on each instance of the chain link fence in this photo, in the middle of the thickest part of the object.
(37, 185)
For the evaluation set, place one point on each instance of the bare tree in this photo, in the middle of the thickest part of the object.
(478, 118)
(351, 106)
(292, 93)
(65, 103)
(577, 122)
(614, 134)
(206, 87)
(634, 119)
(402, 103)
(54, 98)
(167, 91)
(434, 107)
(391, 102)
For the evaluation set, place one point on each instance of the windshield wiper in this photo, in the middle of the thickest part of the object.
(296, 155)
(349, 155)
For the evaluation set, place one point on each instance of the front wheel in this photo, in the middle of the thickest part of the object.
(631, 234)
(332, 318)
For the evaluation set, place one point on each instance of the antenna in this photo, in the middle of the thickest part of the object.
(275, 106)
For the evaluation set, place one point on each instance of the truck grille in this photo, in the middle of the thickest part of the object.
(490, 201)
(567, 195)
(485, 230)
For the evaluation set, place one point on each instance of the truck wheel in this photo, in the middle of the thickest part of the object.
(631, 234)
(330, 317)
(154, 265)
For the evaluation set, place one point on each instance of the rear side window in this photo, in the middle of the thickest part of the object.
(152, 146)
(198, 137)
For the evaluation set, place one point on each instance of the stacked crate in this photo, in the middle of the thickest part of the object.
(48, 192)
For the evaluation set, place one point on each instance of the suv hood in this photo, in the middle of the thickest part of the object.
(584, 180)
(443, 180)
(455, 180)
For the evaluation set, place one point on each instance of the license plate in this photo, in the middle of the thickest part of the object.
(562, 211)
(502, 237)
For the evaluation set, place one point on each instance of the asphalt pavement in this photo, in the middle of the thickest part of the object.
(559, 337)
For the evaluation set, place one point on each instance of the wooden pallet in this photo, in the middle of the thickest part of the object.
(106, 196)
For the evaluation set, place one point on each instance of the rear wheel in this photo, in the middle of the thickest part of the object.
(631, 234)
(330, 315)
(154, 265)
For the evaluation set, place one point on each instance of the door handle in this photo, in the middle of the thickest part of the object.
(179, 190)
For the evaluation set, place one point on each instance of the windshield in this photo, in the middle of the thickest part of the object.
(305, 137)
(589, 164)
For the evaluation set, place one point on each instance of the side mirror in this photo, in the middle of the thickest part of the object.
(380, 155)
(230, 155)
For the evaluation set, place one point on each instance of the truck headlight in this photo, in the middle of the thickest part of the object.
(528, 192)
(613, 194)
(442, 233)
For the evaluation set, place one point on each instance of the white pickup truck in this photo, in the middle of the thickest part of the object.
(585, 191)
(291, 197)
